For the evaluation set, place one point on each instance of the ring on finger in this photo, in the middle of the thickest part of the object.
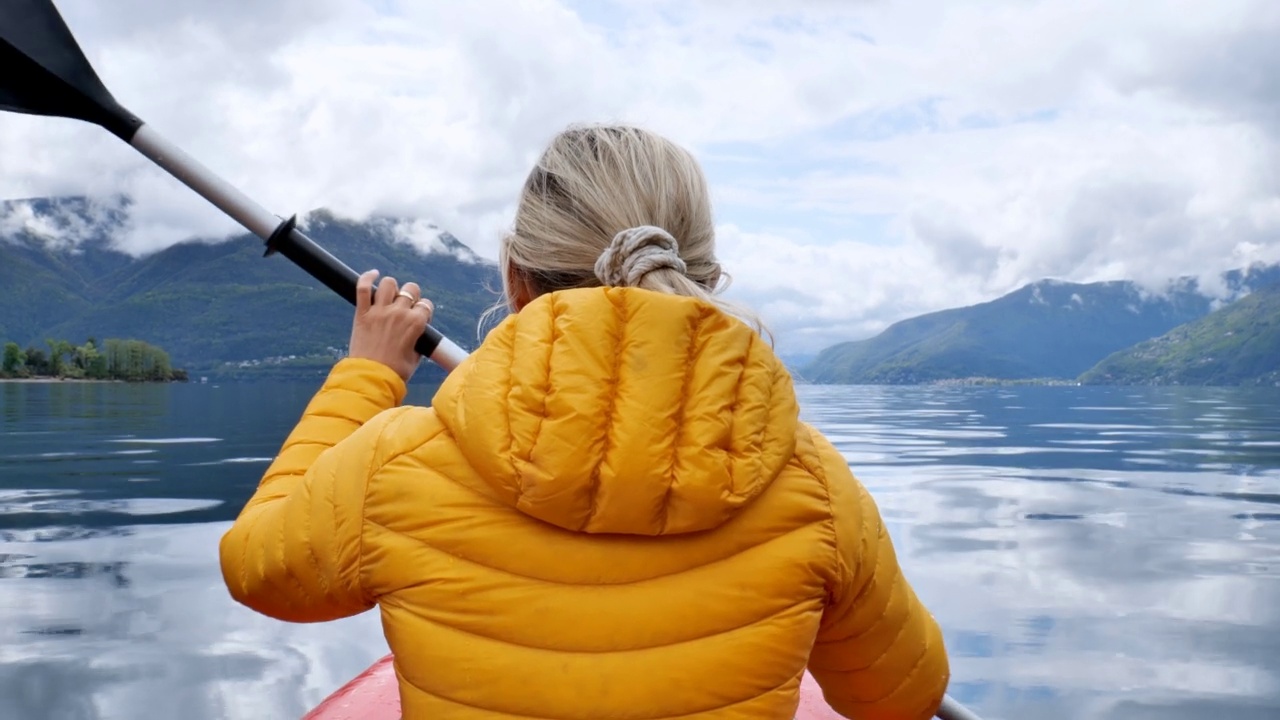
(424, 303)
(408, 295)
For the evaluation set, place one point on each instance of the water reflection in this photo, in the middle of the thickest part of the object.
(1091, 552)
(157, 636)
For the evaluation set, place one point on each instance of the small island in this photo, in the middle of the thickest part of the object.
(112, 360)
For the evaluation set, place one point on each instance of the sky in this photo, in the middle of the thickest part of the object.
(869, 160)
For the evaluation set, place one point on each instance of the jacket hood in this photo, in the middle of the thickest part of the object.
(620, 410)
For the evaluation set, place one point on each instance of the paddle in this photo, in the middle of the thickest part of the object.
(44, 72)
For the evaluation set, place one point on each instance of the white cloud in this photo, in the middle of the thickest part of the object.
(67, 223)
(819, 293)
(870, 160)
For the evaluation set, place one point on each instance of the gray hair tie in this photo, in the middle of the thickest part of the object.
(637, 252)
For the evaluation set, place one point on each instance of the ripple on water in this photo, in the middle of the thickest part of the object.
(166, 441)
(23, 494)
(233, 461)
(72, 502)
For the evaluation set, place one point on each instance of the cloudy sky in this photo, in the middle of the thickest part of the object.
(870, 160)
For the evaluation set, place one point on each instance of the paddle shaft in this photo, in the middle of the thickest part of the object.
(952, 710)
(291, 243)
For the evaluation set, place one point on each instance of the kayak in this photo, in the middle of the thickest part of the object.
(375, 695)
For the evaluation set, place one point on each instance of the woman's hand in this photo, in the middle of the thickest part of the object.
(387, 325)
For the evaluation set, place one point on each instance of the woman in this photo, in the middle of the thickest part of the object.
(611, 509)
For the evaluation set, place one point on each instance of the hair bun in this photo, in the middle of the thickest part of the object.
(636, 252)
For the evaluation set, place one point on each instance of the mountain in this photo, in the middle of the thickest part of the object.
(1255, 277)
(1048, 329)
(42, 278)
(213, 303)
(1235, 345)
(796, 362)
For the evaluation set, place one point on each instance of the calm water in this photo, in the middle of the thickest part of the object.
(1090, 552)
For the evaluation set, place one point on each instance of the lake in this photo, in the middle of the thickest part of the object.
(1092, 553)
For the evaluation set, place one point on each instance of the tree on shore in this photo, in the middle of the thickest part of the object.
(115, 359)
(37, 363)
(59, 349)
(15, 360)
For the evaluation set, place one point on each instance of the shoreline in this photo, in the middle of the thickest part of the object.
(51, 380)
(56, 380)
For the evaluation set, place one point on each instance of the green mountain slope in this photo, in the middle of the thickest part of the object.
(1045, 330)
(208, 304)
(1236, 345)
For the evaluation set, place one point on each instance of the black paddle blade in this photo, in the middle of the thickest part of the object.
(43, 71)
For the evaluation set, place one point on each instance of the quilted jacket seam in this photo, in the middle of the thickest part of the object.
(685, 716)
(620, 311)
(545, 391)
(361, 565)
(878, 621)
(820, 474)
(620, 650)
(592, 583)
(695, 333)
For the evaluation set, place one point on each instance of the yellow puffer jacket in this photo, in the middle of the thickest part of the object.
(611, 510)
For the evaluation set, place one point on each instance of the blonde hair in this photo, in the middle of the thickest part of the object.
(598, 196)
